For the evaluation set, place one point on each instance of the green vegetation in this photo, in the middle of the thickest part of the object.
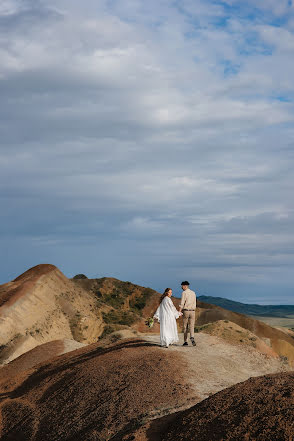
(201, 328)
(119, 317)
(126, 300)
(120, 292)
(140, 302)
(284, 359)
(106, 331)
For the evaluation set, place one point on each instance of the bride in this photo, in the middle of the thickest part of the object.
(167, 314)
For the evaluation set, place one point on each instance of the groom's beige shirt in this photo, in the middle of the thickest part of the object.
(188, 300)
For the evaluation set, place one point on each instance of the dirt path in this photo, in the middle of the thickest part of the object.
(215, 365)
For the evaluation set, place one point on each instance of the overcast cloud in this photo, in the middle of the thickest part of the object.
(150, 141)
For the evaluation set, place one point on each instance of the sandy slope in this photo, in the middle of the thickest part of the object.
(43, 305)
(215, 364)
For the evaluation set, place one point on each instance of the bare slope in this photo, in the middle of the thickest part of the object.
(42, 305)
(258, 409)
(106, 393)
(280, 342)
(93, 393)
(38, 355)
(215, 363)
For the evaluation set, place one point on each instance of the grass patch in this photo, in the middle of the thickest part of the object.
(106, 331)
(118, 292)
(119, 317)
(139, 303)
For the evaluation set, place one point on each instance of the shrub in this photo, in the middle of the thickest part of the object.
(119, 317)
(106, 331)
(140, 302)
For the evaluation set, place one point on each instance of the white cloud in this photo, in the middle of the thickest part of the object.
(155, 120)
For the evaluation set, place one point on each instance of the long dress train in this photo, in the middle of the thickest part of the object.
(167, 314)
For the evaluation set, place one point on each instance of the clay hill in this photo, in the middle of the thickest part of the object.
(132, 304)
(136, 390)
(42, 305)
(92, 393)
(258, 409)
(79, 363)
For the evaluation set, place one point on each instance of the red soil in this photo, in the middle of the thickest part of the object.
(260, 409)
(19, 287)
(92, 393)
(31, 358)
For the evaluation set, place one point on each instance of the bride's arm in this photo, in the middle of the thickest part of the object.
(174, 310)
(156, 315)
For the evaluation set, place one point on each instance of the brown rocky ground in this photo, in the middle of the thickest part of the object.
(119, 391)
(36, 356)
(93, 393)
(259, 409)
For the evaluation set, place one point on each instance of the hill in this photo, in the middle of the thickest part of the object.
(43, 305)
(92, 393)
(248, 309)
(258, 409)
(118, 391)
(278, 341)
(124, 304)
(113, 385)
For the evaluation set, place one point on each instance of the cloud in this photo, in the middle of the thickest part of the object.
(149, 133)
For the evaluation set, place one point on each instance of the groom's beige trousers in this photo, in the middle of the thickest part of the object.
(189, 323)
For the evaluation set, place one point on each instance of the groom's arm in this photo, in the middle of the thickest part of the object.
(183, 300)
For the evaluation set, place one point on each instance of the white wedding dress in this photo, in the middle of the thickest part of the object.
(167, 314)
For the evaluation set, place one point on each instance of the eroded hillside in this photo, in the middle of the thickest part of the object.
(43, 305)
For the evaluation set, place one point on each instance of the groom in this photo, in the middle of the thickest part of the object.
(188, 306)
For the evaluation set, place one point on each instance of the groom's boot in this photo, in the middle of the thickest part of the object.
(185, 343)
(193, 341)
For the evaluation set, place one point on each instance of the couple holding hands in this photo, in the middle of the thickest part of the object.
(167, 314)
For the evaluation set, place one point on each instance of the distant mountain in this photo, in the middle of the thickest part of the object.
(247, 309)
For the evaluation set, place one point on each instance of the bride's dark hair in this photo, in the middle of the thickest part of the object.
(164, 294)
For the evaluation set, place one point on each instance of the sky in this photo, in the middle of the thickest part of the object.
(151, 142)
